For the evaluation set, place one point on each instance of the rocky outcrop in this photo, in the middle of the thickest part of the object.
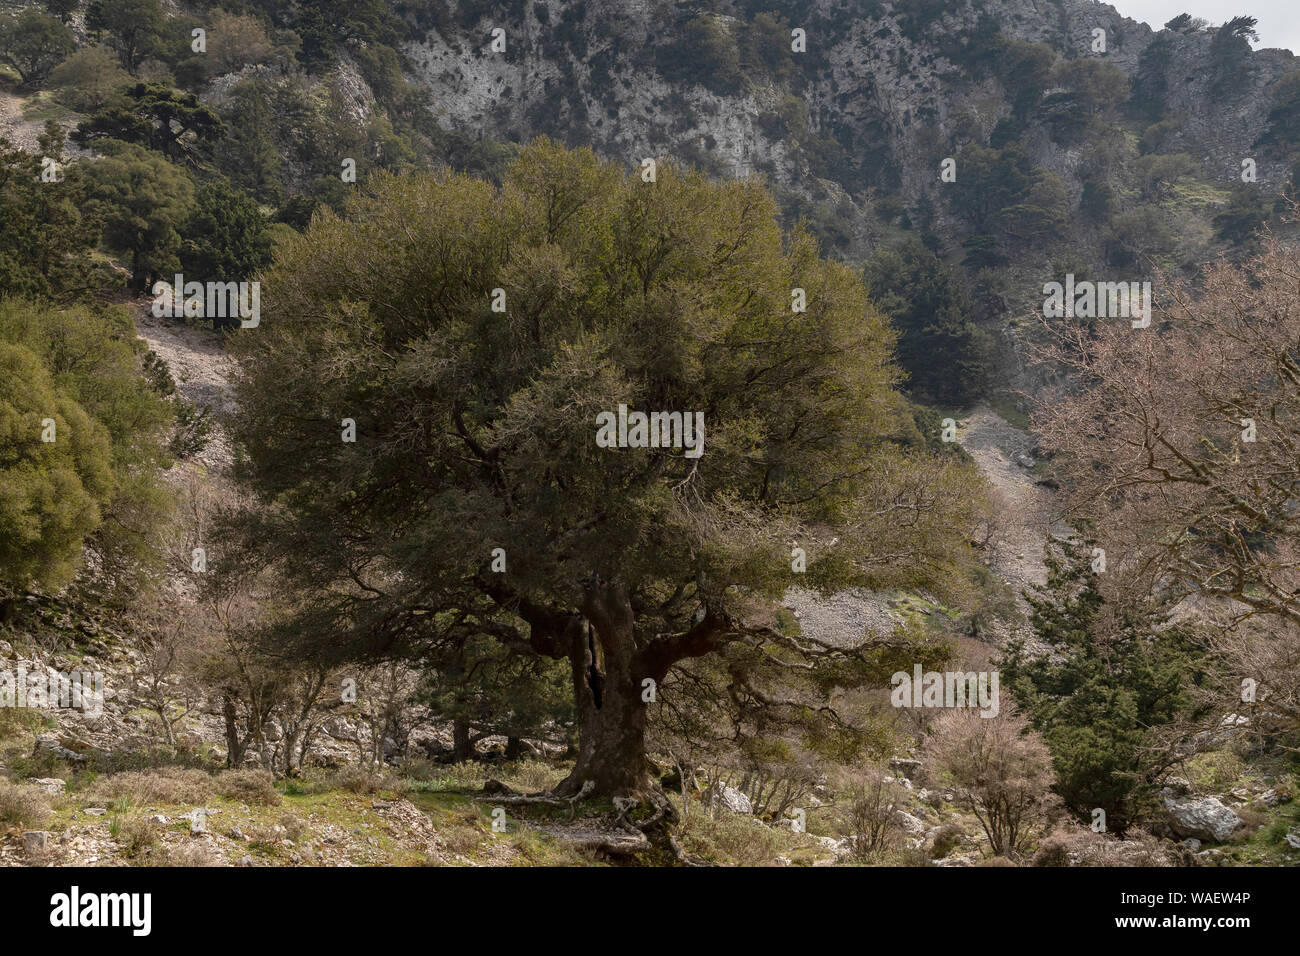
(1204, 818)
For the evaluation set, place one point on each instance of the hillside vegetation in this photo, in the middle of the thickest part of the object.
(349, 571)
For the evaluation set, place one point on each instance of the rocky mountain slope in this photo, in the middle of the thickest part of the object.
(887, 82)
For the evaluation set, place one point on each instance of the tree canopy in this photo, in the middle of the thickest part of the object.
(89, 480)
(475, 498)
(34, 43)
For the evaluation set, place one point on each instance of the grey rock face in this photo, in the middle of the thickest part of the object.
(732, 799)
(1205, 818)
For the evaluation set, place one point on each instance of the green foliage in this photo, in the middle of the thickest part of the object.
(63, 9)
(765, 49)
(134, 28)
(996, 184)
(1159, 173)
(1150, 84)
(94, 359)
(225, 236)
(382, 67)
(235, 41)
(1098, 86)
(945, 354)
(982, 253)
(1043, 213)
(34, 43)
(50, 492)
(143, 200)
(1156, 137)
(1117, 668)
(1243, 216)
(1186, 24)
(977, 50)
(95, 488)
(47, 240)
(1229, 51)
(707, 54)
(572, 316)
(89, 80)
(1093, 90)
(1098, 200)
(496, 690)
(477, 429)
(249, 154)
(193, 429)
(155, 116)
(1139, 235)
(1025, 70)
(327, 25)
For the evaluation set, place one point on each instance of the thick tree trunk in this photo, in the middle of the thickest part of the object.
(607, 688)
(609, 666)
(462, 748)
(234, 744)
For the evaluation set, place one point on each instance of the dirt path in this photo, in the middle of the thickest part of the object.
(202, 371)
(1028, 511)
(13, 127)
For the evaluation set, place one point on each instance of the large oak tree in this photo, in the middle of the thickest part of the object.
(476, 430)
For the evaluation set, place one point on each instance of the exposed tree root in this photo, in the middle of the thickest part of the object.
(654, 831)
(548, 798)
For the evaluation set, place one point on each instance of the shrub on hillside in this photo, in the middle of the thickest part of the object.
(248, 786)
(1003, 770)
(170, 785)
(22, 806)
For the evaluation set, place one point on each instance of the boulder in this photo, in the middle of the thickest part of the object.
(907, 767)
(36, 843)
(732, 799)
(909, 824)
(1205, 818)
(52, 744)
(53, 786)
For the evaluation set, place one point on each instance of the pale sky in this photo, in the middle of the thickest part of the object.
(1279, 20)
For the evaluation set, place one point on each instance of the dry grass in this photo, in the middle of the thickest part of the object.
(735, 839)
(949, 838)
(1070, 845)
(295, 827)
(193, 853)
(22, 806)
(135, 835)
(253, 787)
(361, 781)
(170, 785)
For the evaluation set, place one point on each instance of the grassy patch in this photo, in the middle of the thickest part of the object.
(1009, 411)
